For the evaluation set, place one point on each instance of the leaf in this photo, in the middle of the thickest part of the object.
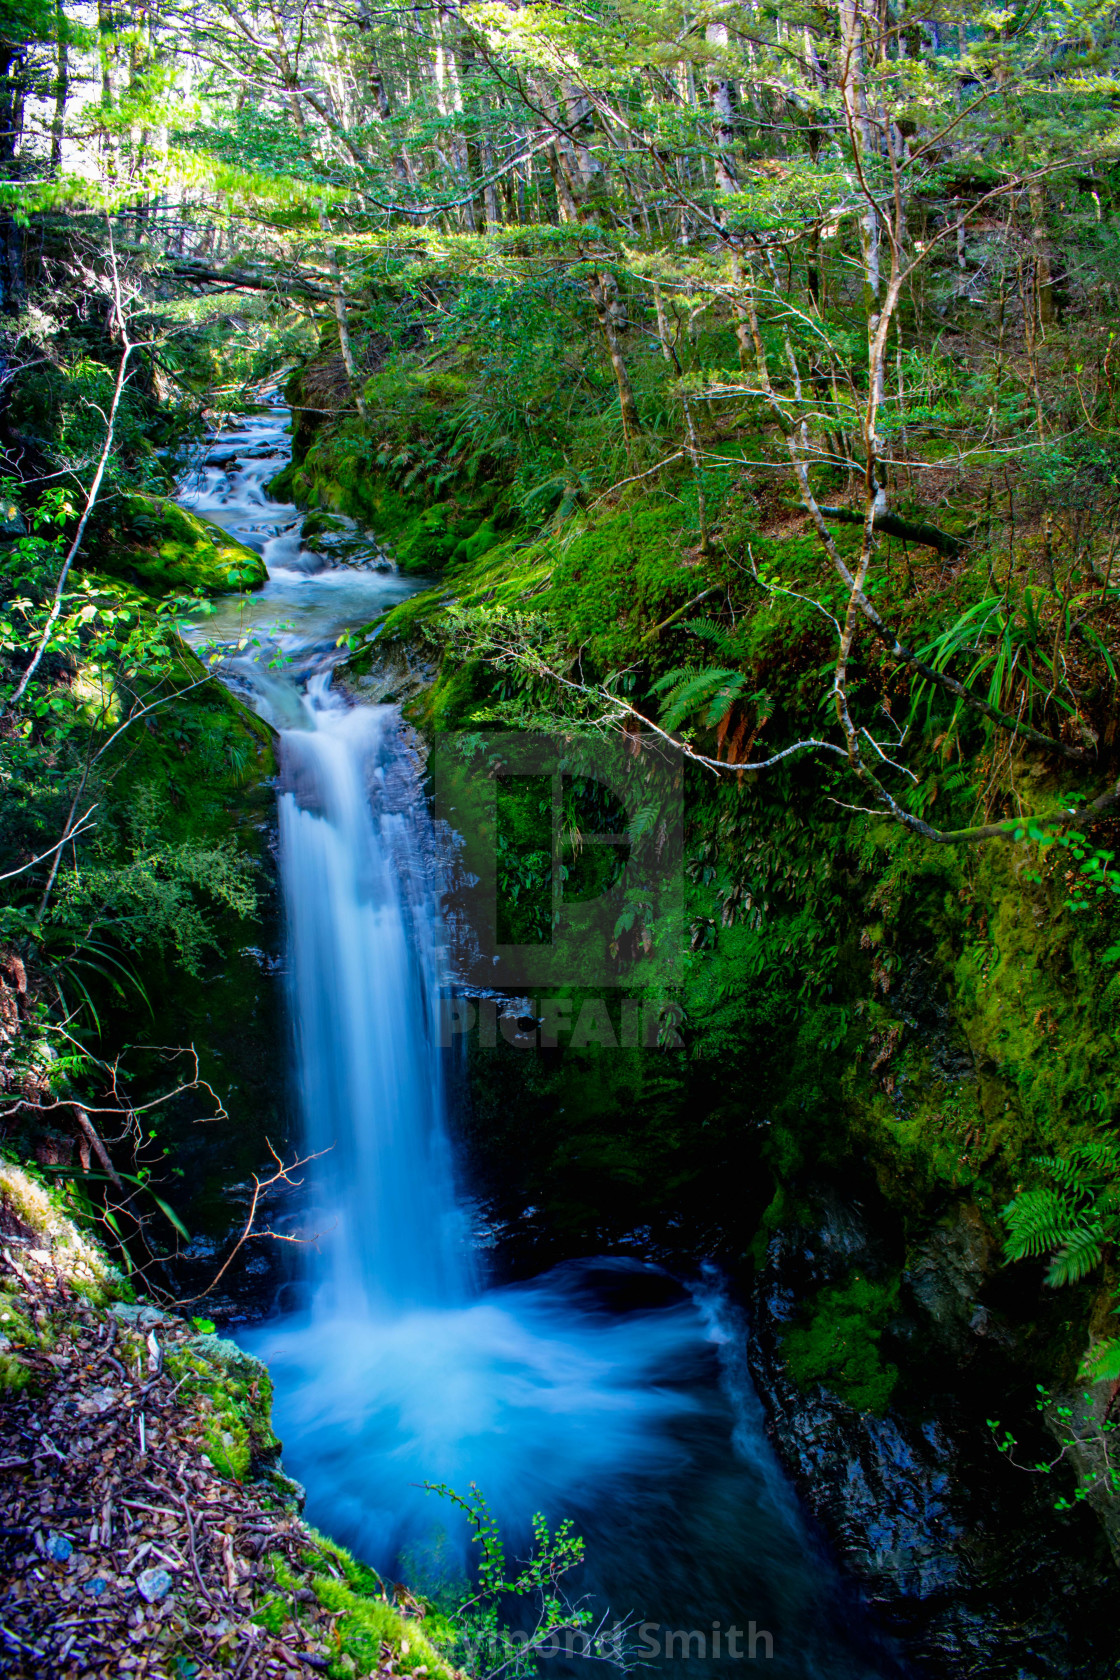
(171, 1215)
(1078, 1256)
(1102, 1364)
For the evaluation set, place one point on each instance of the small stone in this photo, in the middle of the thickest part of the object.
(58, 1548)
(96, 1586)
(154, 1584)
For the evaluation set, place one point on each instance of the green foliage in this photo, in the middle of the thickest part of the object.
(478, 1616)
(836, 1345)
(1074, 1216)
(144, 893)
(1085, 1446)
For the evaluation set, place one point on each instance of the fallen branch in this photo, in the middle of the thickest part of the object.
(910, 530)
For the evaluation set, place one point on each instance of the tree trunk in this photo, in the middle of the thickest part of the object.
(1043, 266)
(628, 408)
(61, 93)
(341, 315)
(719, 92)
(449, 97)
(490, 209)
(105, 40)
(853, 91)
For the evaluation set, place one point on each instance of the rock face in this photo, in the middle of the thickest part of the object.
(960, 1554)
(163, 547)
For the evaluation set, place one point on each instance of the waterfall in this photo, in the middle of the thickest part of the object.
(363, 977)
(604, 1391)
(400, 1368)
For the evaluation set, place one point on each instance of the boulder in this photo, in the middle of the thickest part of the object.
(165, 548)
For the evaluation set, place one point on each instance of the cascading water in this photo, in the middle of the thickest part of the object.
(601, 1391)
(363, 983)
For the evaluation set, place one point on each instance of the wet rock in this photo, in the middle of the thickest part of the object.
(946, 1275)
(961, 1554)
(141, 1316)
(154, 1585)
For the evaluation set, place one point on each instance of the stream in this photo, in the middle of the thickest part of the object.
(606, 1391)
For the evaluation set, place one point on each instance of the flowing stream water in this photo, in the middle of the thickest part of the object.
(603, 1391)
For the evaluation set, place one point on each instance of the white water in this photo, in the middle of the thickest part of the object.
(363, 979)
(402, 1368)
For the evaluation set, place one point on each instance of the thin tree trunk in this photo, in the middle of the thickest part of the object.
(449, 97)
(341, 315)
(692, 444)
(628, 408)
(105, 39)
(719, 93)
(61, 93)
(1043, 266)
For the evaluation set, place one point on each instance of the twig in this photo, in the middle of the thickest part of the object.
(127, 347)
(260, 1186)
(33, 1650)
(184, 1502)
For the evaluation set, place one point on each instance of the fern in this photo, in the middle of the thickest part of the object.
(1102, 1364)
(1073, 1218)
(1087, 1166)
(725, 642)
(691, 689)
(1038, 1221)
(1076, 1258)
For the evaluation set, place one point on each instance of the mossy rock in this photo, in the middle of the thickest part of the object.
(240, 1441)
(481, 542)
(168, 548)
(367, 1620)
(835, 1344)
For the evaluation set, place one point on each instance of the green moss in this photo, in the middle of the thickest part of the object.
(50, 1210)
(366, 1624)
(13, 1375)
(836, 1346)
(167, 548)
(620, 575)
(236, 1403)
(273, 1615)
(368, 1620)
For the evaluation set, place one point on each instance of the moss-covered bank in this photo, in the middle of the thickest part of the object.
(164, 548)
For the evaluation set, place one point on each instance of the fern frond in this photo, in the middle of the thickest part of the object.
(1079, 1254)
(1085, 1166)
(1102, 1364)
(676, 675)
(725, 642)
(724, 697)
(1038, 1221)
(693, 691)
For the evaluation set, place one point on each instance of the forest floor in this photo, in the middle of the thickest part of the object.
(129, 1544)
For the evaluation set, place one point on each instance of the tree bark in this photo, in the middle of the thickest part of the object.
(61, 93)
(628, 408)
